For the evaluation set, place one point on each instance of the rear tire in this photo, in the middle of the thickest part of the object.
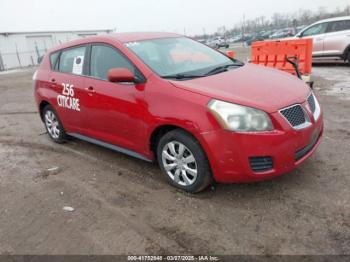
(183, 161)
(349, 57)
(53, 125)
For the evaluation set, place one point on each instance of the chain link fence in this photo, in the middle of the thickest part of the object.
(20, 59)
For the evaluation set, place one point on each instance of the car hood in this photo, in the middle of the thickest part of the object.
(251, 85)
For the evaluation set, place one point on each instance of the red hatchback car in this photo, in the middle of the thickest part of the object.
(159, 96)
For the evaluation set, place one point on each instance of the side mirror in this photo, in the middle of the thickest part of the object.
(119, 75)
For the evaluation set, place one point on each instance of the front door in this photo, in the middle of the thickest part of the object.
(115, 109)
(317, 33)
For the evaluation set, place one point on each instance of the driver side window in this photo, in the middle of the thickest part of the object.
(103, 58)
(315, 30)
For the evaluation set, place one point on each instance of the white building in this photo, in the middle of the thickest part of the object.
(21, 49)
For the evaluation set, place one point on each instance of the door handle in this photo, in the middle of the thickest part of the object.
(90, 89)
(53, 82)
(319, 39)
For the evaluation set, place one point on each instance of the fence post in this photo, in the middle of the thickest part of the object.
(19, 60)
(2, 67)
(37, 53)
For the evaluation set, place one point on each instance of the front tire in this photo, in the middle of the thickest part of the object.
(183, 161)
(53, 125)
(349, 57)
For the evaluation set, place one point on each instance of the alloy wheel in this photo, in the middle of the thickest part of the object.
(52, 124)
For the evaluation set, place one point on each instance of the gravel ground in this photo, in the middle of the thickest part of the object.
(124, 206)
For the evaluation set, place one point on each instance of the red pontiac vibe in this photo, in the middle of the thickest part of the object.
(158, 96)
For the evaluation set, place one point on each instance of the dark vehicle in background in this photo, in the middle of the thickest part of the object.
(266, 34)
(254, 38)
(282, 33)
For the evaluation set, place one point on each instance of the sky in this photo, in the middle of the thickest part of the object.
(180, 16)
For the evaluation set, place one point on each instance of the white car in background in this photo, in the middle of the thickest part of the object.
(218, 42)
(331, 38)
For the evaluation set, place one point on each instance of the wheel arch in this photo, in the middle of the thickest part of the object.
(346, 53)
(157, 133)
(161, 130)
(42, 105)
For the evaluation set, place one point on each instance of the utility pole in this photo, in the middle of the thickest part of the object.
(243, 30)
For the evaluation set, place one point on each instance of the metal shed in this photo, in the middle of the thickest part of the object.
(22, 49)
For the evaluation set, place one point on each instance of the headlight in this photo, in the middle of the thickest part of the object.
(239, 118)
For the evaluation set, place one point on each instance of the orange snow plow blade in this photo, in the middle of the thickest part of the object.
(277, 53)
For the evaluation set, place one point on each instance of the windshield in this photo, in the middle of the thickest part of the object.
(170, 57)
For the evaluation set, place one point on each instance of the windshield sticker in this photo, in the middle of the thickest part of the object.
(78, 65)
(67, 99)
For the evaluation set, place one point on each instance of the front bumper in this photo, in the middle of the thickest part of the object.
(229, 152)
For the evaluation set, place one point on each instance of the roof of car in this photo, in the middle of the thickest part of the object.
(120, 37)
(340, 18)
(139, 36)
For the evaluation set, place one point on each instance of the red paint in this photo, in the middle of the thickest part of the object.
(126, 114)
(120, 75)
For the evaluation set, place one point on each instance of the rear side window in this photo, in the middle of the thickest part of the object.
(104, 57)
(53, 60)
(339, 26)
(315, 30)
(72, 60)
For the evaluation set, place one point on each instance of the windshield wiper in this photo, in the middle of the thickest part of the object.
(221, 69)
(216, 70)
(181, 76)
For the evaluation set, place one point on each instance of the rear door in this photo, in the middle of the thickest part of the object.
(317, 33)
(337, 38)
(115, 110)
(67, 81)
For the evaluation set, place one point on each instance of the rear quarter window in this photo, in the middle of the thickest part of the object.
(53, 60)
(72, 60)
(339, 26)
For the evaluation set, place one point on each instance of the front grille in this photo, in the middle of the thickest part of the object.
(295, 115)
(312, 103)
(261, 164)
